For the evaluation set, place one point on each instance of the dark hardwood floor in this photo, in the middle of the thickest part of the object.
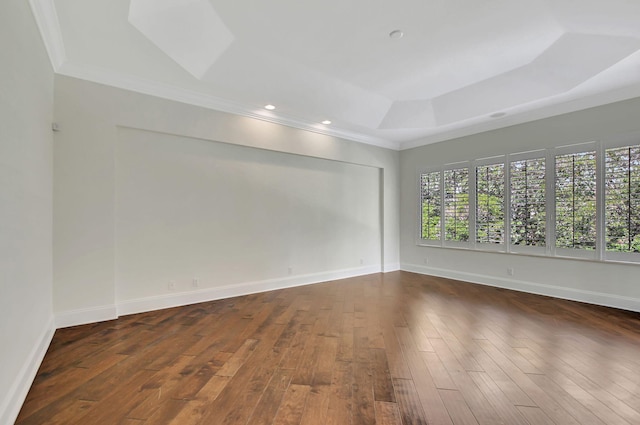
(396, 348)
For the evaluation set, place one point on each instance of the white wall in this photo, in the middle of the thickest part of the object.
(120, 155)
(26, 111)
(613, 284)
(227, 215)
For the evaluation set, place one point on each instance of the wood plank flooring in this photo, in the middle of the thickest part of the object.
(396, 348)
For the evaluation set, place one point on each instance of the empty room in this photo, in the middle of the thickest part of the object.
(417, 212)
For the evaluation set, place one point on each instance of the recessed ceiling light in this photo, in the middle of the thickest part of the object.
(498, 114)
(326, 122)
(396, 34)
(269, 107)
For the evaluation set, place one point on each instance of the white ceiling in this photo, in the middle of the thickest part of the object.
(459, 62)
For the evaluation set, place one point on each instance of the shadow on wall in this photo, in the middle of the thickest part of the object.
(224, 214)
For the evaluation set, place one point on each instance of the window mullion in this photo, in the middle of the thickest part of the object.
(473, 204)
(600, 202)
(629, 238)
(507, 204)
(594, 218)
(443, 190)
(550, 196)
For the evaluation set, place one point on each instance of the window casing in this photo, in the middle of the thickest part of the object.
(431, 206)
(578, 201)
(528, 201)
(622, 202)
(456, 206)
(575, 203)
(490, 203)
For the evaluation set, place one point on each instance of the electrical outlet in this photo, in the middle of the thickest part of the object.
(426, 260)
(510, 271)
(290, 270)
(195, 282)
(361, 261)
(172, 285)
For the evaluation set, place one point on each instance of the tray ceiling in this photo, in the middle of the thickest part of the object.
(460, 67)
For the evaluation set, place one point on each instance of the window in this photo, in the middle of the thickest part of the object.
(490, 203)
(576, 200)
(528, 204)
(431, 206)
(622, 200)
(579, 201)
(456, 204)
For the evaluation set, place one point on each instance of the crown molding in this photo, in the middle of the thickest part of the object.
(178, 94)
(44, 12)
(528, 113)
(46, 18)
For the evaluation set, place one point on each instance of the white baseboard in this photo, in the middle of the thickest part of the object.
(391, 267)
(590, 297)
(209, 294)
(83, 316)
(12, 404)
(109, 312)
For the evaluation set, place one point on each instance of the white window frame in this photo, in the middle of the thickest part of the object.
(527, 249)
(599, 177)
(471, 220)
(430, 242)
(485, 246)
(623, 141)
(599, 253)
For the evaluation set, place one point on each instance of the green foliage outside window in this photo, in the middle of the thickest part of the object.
(490, 204)
(622, 187)
(431, 205)
(528, 202)
(445, 202)
(456, 204)
(576, 201)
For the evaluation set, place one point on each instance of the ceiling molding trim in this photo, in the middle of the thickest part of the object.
(166, 91)
(44, 12)
(526, 113)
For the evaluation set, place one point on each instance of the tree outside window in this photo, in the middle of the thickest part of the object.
(528, 203)
(430, 195)
(490, 204)
(622, 200)
(576, 201)
(456, 204)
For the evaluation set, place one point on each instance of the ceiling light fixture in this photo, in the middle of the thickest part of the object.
(326, 122)
(498, 114)
(269, 107)
(396, 34)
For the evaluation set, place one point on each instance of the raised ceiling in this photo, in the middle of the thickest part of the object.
(461, 66)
